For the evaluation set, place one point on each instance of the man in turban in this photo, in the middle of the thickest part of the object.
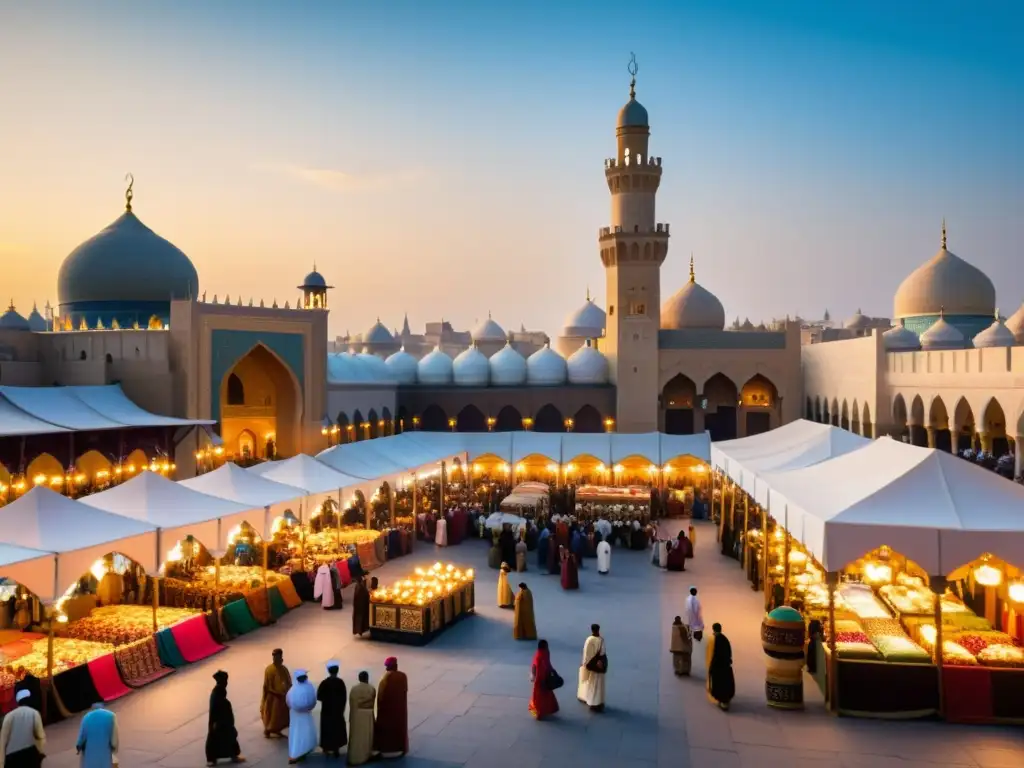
(391, 734)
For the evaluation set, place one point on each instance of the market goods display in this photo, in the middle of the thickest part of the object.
(887, 635)
(66, 654)
(123, 624)
(862, 601)
(425, 585)
(919, 600)
(1001, 656)
(416, 609)
(237, 578)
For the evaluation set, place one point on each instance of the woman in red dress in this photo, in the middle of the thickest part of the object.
(543, 702)
(570, 572)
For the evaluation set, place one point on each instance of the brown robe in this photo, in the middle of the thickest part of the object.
(273, 709)
(391, 732)
(360, 608)
(524, 626)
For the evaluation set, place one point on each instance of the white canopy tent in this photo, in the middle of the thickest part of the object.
(318, 480)
(362, 460)
(16, 422)
(77, 533)
(233, 483)
(932, 507)
(607, 447)
(177, 510)
(725, 453)
(35, 569)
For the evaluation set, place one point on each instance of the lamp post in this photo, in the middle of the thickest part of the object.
(527, 423)
(491, 421)
(569, 423)
(609, 424)
(451, 424)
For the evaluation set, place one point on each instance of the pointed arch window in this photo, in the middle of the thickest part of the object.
(236, 392)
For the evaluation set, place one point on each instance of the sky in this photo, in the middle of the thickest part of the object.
(445, 159)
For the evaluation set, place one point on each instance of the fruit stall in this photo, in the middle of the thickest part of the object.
(416, 609)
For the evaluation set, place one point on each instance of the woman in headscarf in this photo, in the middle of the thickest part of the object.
(681, 647)
(333, 697)
(721, 683)
(221, 735)
(542, 701)
(554, 560)
(505, 597)
(570, 575)
(521, 550)
(524, 625)
(542, 548)
(391, 734)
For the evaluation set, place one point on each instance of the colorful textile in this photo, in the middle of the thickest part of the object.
(278, 608)
(259, 605)
(106, 678)
(140, 664)
(238, 619)
(287, 591)
(380, 549)
(76, 688)
(303, 586)
(344, 574)
(167, 649)
(355, 567)
(367, 555)
(194, 639)
(216, 626)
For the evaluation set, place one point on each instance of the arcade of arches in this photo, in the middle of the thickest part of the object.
(260, 407)
(469, 418)
(721, 408)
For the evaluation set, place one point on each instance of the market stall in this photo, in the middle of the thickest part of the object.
(530, 499)
(416, 609)
(625, 504)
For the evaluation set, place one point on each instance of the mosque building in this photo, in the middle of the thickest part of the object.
(253, 380)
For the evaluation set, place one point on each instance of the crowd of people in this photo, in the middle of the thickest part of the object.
(23, 737)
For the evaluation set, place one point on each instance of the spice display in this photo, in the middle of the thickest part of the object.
(123, 624)
(67, 653)
(1001, 656)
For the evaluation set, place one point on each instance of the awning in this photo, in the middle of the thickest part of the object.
(16, 422)
(305, 472)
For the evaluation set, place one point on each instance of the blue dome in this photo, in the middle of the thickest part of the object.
(633, 115)
(12, 321)
(314, 280)
(36, 322)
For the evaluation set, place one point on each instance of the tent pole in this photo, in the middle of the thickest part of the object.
(746, 522)
(216, 582)
(765, 557)
(713, 494)
(785, 569)
(156, 601)
(938, 586)
(832, 579)
(339, 520)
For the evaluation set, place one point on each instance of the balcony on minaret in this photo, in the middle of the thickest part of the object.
(610, 232)
(631, 162)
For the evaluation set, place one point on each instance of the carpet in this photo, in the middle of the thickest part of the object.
(140, 663)
(76, 688)
(288, 594)
(259, 605)
(194, 639)
(168, 650)
(278, 608)
(238, 618)
(106, 678)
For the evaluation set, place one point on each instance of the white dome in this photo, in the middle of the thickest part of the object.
(900, 338)
(347, 368)
(403, 366)
(378, 334)
(471, 368)
(996, 335)
(488, 330)
(545, 368)
(945, 283)
(858, 321)
(508, 367)
(942, 335)
(587, 321)
(1015, 323)
(435, 368)
(693, 306)
(587, 366)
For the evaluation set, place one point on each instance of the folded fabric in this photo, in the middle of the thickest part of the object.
(167, 648)
(380, 549)
(367, 555)
(194, 639)
(259, 605)
(303, 586)
(277, 604)
(76, 688)
(355, 567)
(239, 619)
(107, 679)
(140, 663)
(344, 574)
(287, 590)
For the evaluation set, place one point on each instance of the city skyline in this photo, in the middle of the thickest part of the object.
(448, 163)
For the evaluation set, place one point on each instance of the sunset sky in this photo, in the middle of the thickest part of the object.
(446, 158)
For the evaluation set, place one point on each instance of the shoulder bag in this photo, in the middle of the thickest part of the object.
(599, 663)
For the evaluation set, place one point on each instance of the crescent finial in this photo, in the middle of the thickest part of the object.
(128, 194)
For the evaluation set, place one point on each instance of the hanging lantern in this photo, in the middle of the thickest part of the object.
(988, 576)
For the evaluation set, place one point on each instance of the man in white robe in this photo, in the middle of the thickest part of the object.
(590, 690)
(695, 615)
(604, 557)
(301, 700)
(441, 536)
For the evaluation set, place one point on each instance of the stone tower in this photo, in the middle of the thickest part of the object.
(632, 251)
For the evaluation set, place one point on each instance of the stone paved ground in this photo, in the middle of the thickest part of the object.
(469, 689)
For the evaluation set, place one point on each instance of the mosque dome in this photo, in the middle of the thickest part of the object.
(633, 115)
(471, 368)
(900, 338)
(508, 367)
(545, 368)
(378, 334)
(942, 335)
(996, 335)
(12, 321)
(587, 365)
(1016, 324)
(313, 280)
(403, 366)
(588, 321)
(693, 307)
(128, 264)
(488, 330)
(349, 368)
(36, 322)
(857, 321)
(945, 283)
(434, 369)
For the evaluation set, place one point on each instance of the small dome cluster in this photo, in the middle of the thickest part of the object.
(363, 368)
(996, 335)
(942, 335)
(12, 321)
(471, 368)
(899, 338)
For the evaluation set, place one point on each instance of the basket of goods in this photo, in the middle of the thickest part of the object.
(853, 643)
(1001, 655)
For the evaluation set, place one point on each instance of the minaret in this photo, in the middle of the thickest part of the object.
(632, 251)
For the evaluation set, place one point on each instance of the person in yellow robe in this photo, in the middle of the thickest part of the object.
(524, 626)
(362, 699)
(276, 682)
(505, 597)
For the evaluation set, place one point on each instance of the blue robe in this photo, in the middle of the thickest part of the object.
(542, 549)
(97, 738)
(577, 547)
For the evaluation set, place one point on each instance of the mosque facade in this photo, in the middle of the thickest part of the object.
(131, 311)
